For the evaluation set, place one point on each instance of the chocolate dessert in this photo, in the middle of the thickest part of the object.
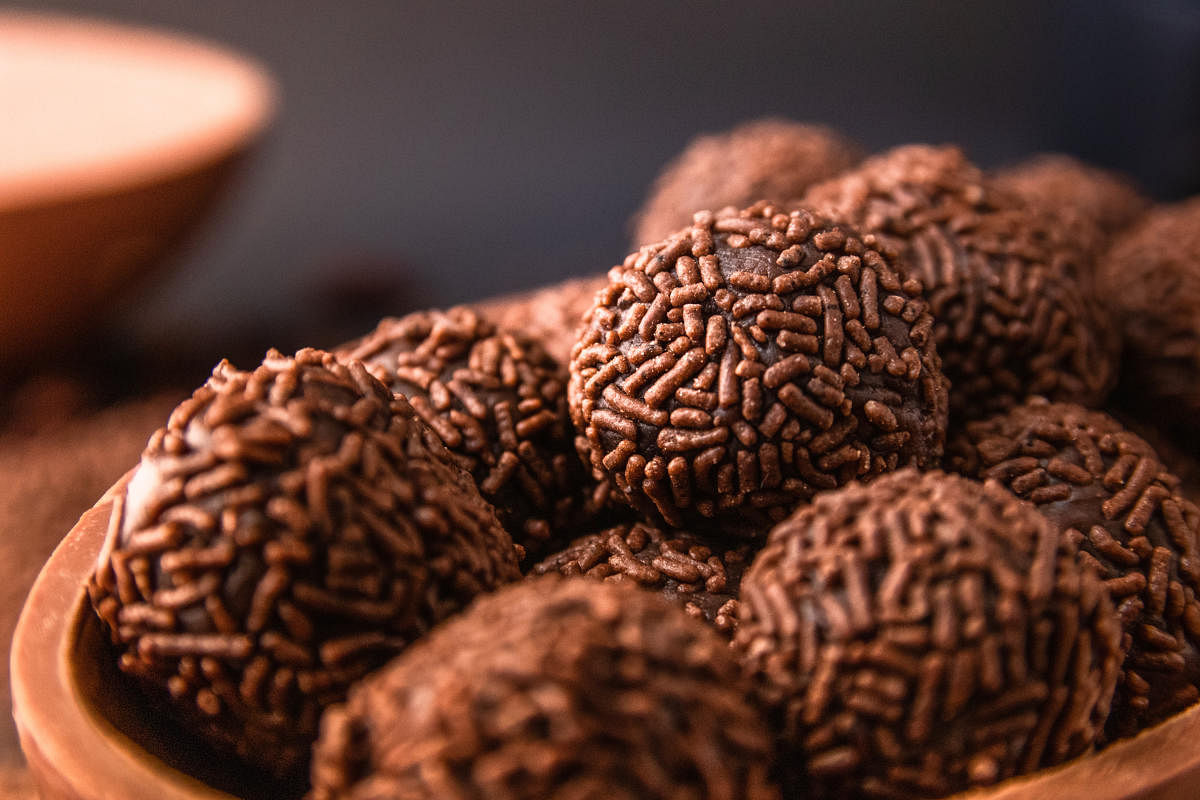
(552, 690)
(287, 532)
(765, 159)
(750, 361)
(1107, 490)
(922, 635)
(497, 400)
(1014, 307)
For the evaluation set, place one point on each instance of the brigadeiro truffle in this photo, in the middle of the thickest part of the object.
(764, 159)
(288, 531)
(1015, 308)
(549, 316)
(1151, 277)
(750, 361)
(924, 634)
(700, 573)
(549, 690)
(498, 401)
(1106, 489)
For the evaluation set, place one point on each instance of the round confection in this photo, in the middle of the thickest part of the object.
(748, 362)
(287, 532)
(1106, 488)
(924, 634)
(498, 401)
(765, 159)
(1014, 306)
(549, 316)
(1052, 183)
(1151, 277)
(700, 573)
(549, 690)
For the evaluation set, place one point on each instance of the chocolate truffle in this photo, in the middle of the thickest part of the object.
(924, 634)
(700, 573)
(1014, 307)
(1107, 490)
(287, 532)
(1051, 183)
(549, 316)
(498, 401)
(750, 361)
(549, 690)
(1151, 277)
(765, 159)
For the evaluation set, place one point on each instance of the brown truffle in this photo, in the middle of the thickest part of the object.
(750, 361)
(924, 634)
(1106, 489)
(498, 401)
(549, 316)
(1053, 183)
(1014, 307)
(1151, 277)
(549, 690)
(700, 573)
(287, 532)
(765, 159)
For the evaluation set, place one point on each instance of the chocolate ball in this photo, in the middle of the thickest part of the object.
(288, 531)
(925, 634)
(498, 401)
(1054, 183)
(1151, 277)
(750, 361)
(1106, 488)
(1015, 308)
(549, 316)
(699, 573)
(549, 690)
(765, 159)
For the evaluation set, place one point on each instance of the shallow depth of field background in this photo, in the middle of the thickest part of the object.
(429, 153)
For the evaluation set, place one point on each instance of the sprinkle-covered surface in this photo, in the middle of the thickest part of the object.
(289, 530)
(746, 363)
(553, 690)
(924, 634)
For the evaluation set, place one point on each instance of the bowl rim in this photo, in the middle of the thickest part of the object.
(257, 101)
(53, 719)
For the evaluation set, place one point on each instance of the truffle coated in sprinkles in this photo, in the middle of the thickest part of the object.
(553, 689)
(922, 635)
(750, 361)
(497, 400)
(288, 531)
(1106, 488)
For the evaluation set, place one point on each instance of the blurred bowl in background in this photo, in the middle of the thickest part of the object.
(116, 140)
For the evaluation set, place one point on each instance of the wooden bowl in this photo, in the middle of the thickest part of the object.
(88, 735)
(116, 140)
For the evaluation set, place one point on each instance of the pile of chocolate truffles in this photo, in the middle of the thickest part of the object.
(841, 485)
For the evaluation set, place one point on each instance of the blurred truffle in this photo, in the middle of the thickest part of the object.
(765, 159)
(1151, 277)
(1051, 183)
(549, 316)
(288, 531)
(924, 634)
(549, 690)
(1015, 308)
(498, 401)
(1106, 489)
(750, 361)
(699, 573)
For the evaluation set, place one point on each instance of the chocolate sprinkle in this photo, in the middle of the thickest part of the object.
(697, 572)
(750, 361)
(922, 635)
(498, 401)
(1014, 307)
(287, 532)
(549, 690)
(764, 159)
(1106, 488)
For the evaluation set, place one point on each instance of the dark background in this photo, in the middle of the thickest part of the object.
(427, 153)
